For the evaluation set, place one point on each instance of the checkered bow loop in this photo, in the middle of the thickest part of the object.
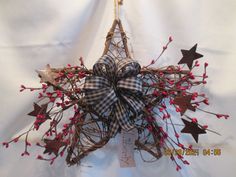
(115, 88)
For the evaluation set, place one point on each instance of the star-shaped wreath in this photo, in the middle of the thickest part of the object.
(117, 95)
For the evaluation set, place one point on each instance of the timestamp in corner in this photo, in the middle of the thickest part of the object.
(194, 152)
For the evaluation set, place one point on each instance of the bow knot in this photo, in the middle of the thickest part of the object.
(115, 88)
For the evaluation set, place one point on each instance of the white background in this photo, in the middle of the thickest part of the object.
(37, 32)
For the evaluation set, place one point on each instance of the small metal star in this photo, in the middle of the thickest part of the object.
(53, 146)
(38, 110)
(47, 75)
(193, 129)
(184, 103)
(189, 56)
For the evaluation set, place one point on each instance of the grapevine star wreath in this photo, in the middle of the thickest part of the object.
(117, 95)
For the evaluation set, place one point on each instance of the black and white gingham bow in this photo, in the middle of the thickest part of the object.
(115, 88)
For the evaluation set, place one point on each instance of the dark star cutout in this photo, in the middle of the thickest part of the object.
(53, 146)
(39, 110)
(184, 103)
(189, 56)
(193, 129)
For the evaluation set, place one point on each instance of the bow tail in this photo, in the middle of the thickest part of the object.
(120, 119)
(134, 102)
(114, 127)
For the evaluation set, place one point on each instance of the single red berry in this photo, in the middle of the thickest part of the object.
(27, 143)
(172, 101)
(23, 87)
(16, 139)
(194, 120)
(178, 168)
(180, 156)
(27, 153)
(206, 101)
(61, 153)
(81, 61)
(81, 75)
(149, 128)
(39, 157)
(197, 63)
(178, 109)
(186, 162)
(226, 116)
(219, 116)
(205, 126)
(180, 145)
(155, 93)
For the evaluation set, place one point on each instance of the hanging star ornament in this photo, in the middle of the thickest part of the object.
(193, 129)
(47, 75)
(40, 113)
(53, 146)
(189, 56)
(39, 110)
(184, 103)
